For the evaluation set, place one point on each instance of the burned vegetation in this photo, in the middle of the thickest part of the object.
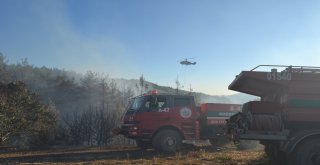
(42, 107)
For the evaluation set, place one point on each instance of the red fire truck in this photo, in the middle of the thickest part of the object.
(287, 118)
(165, 121)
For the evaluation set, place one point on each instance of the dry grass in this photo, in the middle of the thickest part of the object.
(131, 155)
(198, 157)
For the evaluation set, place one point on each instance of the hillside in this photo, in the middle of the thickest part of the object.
(71, 91)
(238, 98)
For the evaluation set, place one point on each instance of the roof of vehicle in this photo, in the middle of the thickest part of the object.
(293, 79)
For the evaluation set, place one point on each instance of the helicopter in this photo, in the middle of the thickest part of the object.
(186, 62)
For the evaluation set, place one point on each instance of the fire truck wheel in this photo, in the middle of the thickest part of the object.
(307, 153)
(143, 144)
(167, 141)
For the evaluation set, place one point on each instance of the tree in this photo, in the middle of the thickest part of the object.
(92, 127)
(143, 85)
(3, 69)
(24, 120)
(177, 86)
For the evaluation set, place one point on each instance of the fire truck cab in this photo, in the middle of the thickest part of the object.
(160, 120)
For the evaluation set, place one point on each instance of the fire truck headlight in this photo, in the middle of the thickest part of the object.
(134, 133)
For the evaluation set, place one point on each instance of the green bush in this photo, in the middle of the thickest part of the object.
(24, 120)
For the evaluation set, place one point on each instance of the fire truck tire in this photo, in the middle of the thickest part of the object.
(307, 153)
(167, 141)
(143, 144)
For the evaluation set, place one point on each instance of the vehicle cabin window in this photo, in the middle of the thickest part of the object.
(136, 103)
(182, 102)
(156, 102)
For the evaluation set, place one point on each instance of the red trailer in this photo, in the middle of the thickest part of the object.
(287, 118)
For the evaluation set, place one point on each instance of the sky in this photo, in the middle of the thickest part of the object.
(128, 38)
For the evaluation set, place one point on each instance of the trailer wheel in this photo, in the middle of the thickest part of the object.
(167, 141)
(307, 153)
(143, 144)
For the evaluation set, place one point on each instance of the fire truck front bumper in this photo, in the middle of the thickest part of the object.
(128, 130)
(117, 131)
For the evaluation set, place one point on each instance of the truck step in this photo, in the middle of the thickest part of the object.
(188, 126)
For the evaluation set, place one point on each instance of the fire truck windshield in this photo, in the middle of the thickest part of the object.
(136, 103)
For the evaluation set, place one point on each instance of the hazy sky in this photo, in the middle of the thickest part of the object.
(127, 38)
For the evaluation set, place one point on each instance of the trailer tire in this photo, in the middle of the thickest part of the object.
(307, 153)
(167, 141)
(143, 144)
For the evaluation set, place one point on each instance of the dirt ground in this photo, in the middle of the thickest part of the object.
(132, 155)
